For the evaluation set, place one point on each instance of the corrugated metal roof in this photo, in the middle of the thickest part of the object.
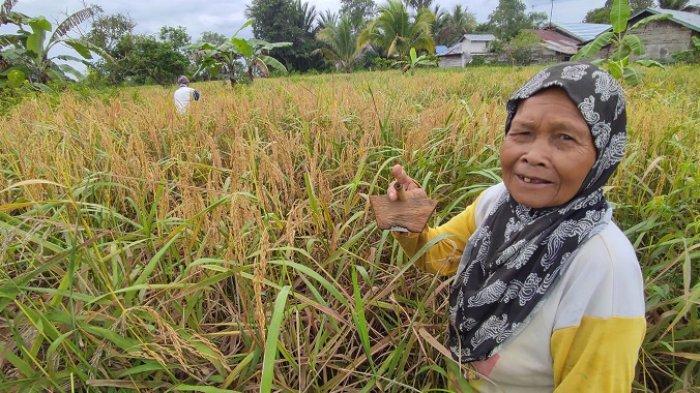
(479, 37)
(455, 49)
(584, 32)
(687, 19)
(440, 49)
(557, 42)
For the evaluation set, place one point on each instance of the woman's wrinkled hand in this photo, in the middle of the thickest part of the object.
(411, 187)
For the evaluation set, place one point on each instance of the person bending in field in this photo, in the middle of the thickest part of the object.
(184, 94)
(547, 292)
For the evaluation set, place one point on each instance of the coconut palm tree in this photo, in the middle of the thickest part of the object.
(418, 4)
(449, 27)
(327, 18)
(394, 32)
(340, 44)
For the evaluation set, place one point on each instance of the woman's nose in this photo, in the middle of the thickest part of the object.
(536, 155)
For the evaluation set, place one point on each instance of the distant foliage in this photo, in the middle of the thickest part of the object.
(395, 30)
(602, 14)
(449, 27)
(238, 59)
(673, 4)
(521, 49)
(340, 44)
(143, 59)
(108, 30)
(288, 21)
(509, 18)
(359, 12)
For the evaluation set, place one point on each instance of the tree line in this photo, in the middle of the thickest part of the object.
(362, 34)
(289, 35)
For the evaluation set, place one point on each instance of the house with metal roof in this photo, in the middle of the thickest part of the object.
(554, 46)
(468, 47)
(663, 38)
(582, 32)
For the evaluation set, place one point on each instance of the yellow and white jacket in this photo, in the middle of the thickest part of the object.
(586, 335)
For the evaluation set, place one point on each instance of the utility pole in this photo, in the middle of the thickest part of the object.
(551, 10)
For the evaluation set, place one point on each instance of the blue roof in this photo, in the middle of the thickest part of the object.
(440, 49)
(584, 32)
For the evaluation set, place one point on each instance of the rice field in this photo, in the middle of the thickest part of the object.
(234, 249)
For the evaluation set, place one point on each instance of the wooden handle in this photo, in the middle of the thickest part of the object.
(400, 194)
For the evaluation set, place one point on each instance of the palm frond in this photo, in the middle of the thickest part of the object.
(7, 6)
(5, 10)
(74, 20)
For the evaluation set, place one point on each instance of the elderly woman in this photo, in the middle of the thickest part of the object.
(548, 293)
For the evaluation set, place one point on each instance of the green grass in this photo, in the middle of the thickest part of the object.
(143, 251)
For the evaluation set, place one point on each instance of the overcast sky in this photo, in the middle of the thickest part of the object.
(224, 16)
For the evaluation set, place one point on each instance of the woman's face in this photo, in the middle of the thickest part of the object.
(548, 150)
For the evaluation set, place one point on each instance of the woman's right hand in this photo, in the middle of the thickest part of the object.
(411, 187)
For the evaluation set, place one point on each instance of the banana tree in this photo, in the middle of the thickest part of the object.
(238, 57)
(25, 55)
(622, 45)
(413, 61)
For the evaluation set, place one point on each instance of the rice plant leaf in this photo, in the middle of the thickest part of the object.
(149, 365)
(685, 355)
(200, 388)
(31, 182)
(126, 344)
(273, 332)
(21, 366)
(359, 317)
(316, 276)
(151, 265)
(58, 341)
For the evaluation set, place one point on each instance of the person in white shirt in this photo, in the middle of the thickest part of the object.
(184, 95)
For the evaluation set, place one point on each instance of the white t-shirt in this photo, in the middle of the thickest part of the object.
(183, 96)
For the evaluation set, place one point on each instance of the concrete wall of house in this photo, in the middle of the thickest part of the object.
(474, 46)
(451, 61)
(664, 38)
(543, 54)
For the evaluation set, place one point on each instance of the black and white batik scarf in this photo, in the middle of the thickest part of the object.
(518, 253)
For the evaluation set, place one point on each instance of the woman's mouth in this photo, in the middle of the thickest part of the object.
(532, 180)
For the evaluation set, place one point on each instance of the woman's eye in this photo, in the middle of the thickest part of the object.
(566, 137)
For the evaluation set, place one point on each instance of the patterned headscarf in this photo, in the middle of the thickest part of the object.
(518, 253)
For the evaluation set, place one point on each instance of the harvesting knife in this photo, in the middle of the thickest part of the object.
(403, 214)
